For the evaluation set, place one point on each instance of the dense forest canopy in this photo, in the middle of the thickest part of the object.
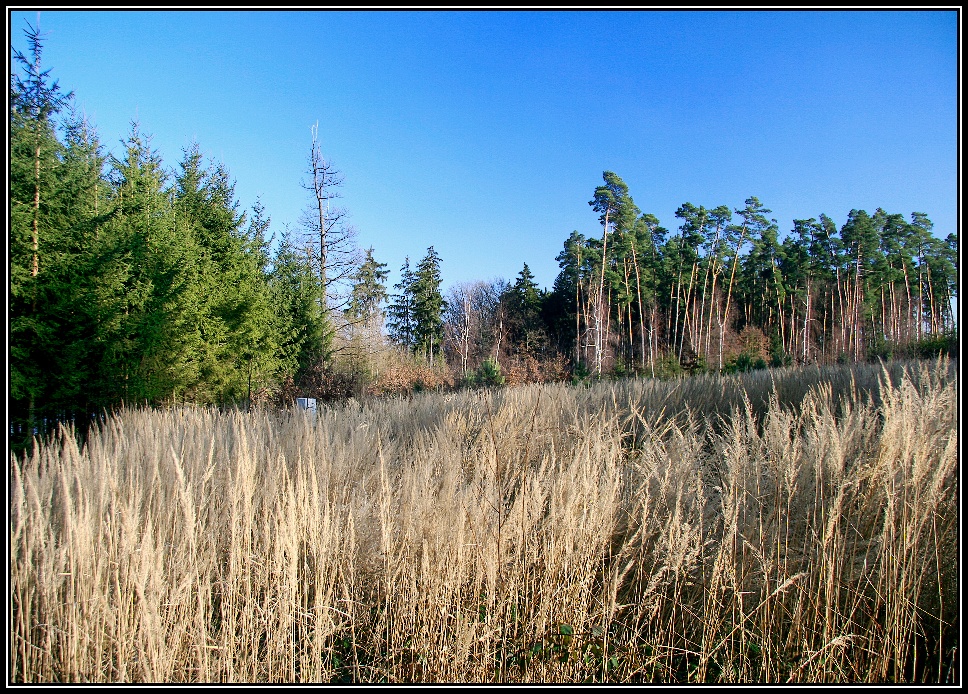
(133, 283)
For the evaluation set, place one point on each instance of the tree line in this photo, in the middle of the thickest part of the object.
(133, 284)
(725, 288)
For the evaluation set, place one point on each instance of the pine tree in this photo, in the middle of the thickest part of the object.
(649, 238)
(860, 239)
(567, 292)
(692, 232)
(800, 272)
(617, 211)
(764, 292)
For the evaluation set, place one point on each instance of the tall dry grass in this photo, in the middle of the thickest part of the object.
(796, 526)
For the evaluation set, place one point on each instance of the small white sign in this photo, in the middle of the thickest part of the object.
(306, 404)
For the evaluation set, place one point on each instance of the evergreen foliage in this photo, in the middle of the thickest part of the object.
(401, 321)
(369, 290)
(523, 301)
(488, 374)
(300, 322)
(428, 306)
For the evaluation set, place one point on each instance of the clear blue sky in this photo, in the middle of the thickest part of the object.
(485, 133)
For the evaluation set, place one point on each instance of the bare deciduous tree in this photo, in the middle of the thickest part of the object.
(472, 321)
(330, 238)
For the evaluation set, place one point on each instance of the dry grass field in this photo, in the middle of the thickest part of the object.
(784, 526)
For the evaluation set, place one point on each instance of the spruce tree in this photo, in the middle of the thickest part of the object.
(73, 268)
(303, 335)
(369, 291)
(234, 310)
(401, 320)
(523, 301)
(428, 306)
(150, 301)
(256, 341)
(36, 196)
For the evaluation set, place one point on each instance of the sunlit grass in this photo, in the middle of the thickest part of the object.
(792, 525)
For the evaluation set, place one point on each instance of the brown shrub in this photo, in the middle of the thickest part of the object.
(519, 370)
(403, 373)
(751, 341)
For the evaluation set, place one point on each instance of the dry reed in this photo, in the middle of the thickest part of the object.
(790, 526)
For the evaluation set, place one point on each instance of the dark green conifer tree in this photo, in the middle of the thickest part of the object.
(428, 306)
(401, 319)
(36, 199)
(257, 339)
(234, 308)
(522, 311)
(73, 267)
(368, 292)
(150, 299)
(301, 326)
(569, 293)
